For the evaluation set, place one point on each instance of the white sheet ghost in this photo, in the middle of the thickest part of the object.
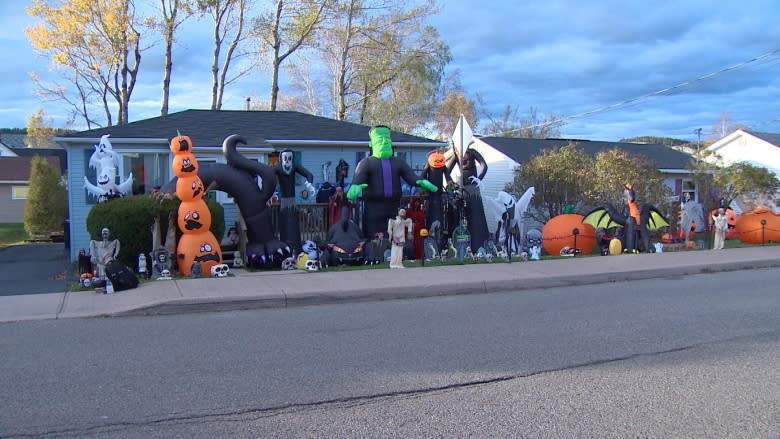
(105, 162)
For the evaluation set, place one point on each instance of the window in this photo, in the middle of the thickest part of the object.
(19, 192)
(688, 190)
(150, 170)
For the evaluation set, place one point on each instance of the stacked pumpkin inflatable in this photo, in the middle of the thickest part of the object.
(198, 249)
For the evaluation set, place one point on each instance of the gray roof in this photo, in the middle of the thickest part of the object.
(13, 140)
(211, 127)
(523, 149)
(773, 138)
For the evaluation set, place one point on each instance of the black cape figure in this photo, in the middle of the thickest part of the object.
(380, 175)
(435, 171)
(471, 180)
(289, 228)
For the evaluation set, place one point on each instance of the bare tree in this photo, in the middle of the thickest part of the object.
(510, 124)
(229, 20)
(174, 13)
(286, 29)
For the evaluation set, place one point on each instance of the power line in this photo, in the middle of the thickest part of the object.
(644, 96)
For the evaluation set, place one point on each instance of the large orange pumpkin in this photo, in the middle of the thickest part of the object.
(198, 247)
(189, 188)
(194, 216)
(184, 165)
(752, 231)
(558, 233)
(181, 144)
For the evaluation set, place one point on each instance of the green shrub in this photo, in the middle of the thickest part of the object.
(130, 220)
(44, 210)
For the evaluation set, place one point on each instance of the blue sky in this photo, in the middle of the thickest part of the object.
(611, 69)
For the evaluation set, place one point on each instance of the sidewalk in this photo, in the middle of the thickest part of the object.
(279, 289)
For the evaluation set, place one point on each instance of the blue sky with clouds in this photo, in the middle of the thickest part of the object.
(611, 69)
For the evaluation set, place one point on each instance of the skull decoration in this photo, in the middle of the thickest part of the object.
(220, 270)
(286, 157)
(312, 265)
(288, 264)
(238, 261)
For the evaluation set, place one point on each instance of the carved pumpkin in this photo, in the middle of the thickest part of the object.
(185, 164)
(198, 247)
(437, 160)
(181, 144)
(189, 188)
(750, 229)
(194, 216)
(558, 233)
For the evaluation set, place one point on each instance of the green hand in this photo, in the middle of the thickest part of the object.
(425, 184)
(355, 191)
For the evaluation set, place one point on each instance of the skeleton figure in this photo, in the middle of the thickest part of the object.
(103, 252)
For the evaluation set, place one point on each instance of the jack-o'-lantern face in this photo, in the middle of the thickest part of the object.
(185, 164)
(189, 188)
(194, 216)
(436, 160)
(200, 247)
(181, 144)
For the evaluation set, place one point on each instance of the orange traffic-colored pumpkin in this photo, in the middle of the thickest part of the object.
(181, 144)
(189, 188)
(184, 165)
(559, 233)
(194, 216)
(198, 247)
(751, 230)
(436, 160)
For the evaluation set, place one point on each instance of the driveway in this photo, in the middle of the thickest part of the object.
(35, 268)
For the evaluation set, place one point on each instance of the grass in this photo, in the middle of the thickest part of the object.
(11, 234)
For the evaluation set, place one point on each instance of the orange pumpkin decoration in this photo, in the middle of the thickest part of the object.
(194, 216)
(185, 165)
(198, 247)
(437, 160)
(751, 230)
(189, 188)
(181, 144)
(559, 233)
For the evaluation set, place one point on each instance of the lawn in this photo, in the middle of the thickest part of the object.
(12, 234)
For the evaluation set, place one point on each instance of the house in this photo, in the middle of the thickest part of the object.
(14, 185)
(318, 144)
(504, 154)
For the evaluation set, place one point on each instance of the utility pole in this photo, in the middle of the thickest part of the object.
(698, 144)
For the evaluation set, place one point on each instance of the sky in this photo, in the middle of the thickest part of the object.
(610, 69)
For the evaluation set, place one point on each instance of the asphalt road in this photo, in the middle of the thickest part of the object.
(35, 268)
(688, 357)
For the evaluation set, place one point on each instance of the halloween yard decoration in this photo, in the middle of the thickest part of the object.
(102, 252)
(559, 234)
(379, 176)
(758, 226)
(105, 161)
(509, 233)
(289, 230)
(435, 171)
(638, 222)
(237, 179)
(472, 168)
(198, 249)
(399, 230)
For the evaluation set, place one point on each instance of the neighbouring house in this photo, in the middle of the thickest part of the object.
(14, 185)
(758, 149)
(504, 154)
(318, 144)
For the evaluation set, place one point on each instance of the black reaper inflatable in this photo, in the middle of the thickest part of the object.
(471, 181)
(237, 178)
(289, 230)
(380, 176)
(637, 222)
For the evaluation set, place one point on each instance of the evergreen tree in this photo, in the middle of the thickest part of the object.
(44, 210)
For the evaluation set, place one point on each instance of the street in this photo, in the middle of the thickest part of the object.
(694, 356)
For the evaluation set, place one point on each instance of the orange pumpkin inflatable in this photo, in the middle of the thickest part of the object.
(189, 188)
(202, 248)
(194, 216)
(181, 144)
(437, 160)
(558, 233)
(751, 230)
(185, 165)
